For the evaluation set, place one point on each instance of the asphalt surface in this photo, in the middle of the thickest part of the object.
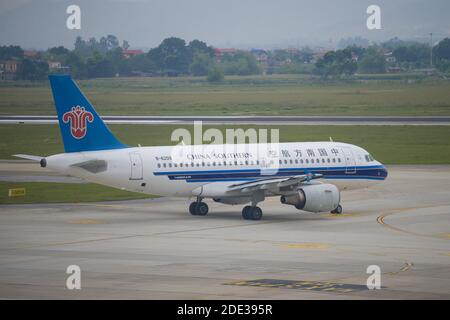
(276, 120)
(153, 249)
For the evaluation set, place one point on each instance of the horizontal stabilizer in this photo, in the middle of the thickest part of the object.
(28, 157)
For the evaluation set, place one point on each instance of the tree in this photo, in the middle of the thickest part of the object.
(99, 67)
(200, 64)
(200, 46)
(76, 64)
(122, 66)
(58, 51)
(32, 70)
(442, 50)
(215, 74)
(442, 54)
(241, 63)
(373, 61)
(171, 55)
(412, 55)
(142, 63)
(336, 63)
(9, 52)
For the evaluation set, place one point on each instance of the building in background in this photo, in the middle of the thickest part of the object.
(8, 69)
(129, 53)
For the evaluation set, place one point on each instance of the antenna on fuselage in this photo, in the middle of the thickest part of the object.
(331, 139)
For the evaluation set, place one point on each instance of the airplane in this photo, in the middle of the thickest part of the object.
(307, 175)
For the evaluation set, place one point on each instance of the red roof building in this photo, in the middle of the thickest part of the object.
(132, 53)
(221, 52)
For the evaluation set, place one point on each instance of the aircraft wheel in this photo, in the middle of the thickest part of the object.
(338, 210)
(246, 212)
(192, 208)
(256, 213)
(201, 209)
(252, 213)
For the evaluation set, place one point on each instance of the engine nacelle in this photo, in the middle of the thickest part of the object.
(314, 198)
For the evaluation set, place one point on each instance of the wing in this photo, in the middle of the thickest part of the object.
(273, 185)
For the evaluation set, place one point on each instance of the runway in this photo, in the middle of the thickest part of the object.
(262, 120)
(153, 249)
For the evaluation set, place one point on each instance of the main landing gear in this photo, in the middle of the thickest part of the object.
(338, 210)
(252, 213)
(198, 208)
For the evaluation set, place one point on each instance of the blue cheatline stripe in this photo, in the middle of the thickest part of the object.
(222, 180)
(342, 173)
(327, 178)
(259, 170)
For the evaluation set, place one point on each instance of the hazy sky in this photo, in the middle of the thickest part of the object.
(240, 23)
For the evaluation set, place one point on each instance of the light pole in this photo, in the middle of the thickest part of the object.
(431, 50)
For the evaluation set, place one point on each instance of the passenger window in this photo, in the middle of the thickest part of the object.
(164, 165)
(307, 161)
(159, 165)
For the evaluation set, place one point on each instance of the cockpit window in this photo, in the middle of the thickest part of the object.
(369, 158)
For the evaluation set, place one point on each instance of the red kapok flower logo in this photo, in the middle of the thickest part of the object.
(78, 118)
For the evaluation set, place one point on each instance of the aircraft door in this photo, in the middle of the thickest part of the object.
(349, 160)
(136, 166)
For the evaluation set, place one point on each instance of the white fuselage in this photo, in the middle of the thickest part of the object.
(182, 170)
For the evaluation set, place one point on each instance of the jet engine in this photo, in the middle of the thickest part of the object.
(314, 198)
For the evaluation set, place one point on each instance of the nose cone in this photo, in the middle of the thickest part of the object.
(383, 172)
